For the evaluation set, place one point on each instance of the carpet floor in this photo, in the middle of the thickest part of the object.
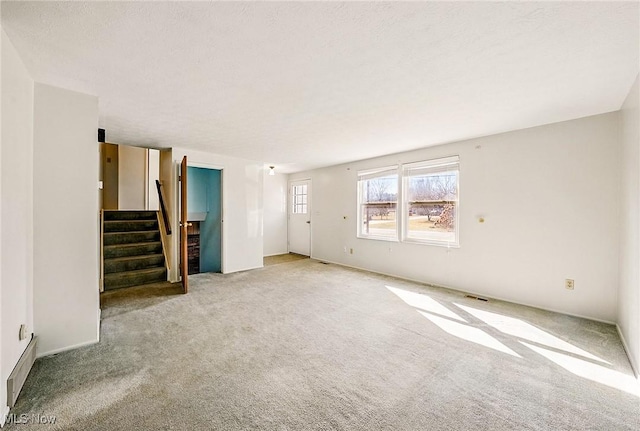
(309, 346)
(282, 258)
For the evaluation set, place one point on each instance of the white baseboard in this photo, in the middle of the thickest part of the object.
(242, 269)
(276, 254)
(64, 349)
(634, 365)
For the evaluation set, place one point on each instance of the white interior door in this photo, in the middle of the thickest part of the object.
(300, 217)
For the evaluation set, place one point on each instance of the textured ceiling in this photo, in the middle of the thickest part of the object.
(303, 85)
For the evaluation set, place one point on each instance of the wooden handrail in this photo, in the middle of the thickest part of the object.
(165, 216)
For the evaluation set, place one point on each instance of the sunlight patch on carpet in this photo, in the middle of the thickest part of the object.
(424, 302)
(526, 331)
(469, 333)
(589, 370)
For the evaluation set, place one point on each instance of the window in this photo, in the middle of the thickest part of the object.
(299, 199)
(431, 201)
(420, 200)
(378, 203)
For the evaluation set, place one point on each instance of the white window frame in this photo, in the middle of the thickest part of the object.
(403, 172)
(371, 174)
(443, 164)
(295, 203)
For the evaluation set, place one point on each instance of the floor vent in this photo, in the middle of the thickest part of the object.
(19, 374)
(476, 297)
(325, 263)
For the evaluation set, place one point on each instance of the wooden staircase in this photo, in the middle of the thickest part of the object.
(132, 249)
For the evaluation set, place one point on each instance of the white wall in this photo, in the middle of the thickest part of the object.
(275, 214)
(242, 188)
(66, 213)
(16, 212)
(132, 178)
(629, 294)
(550, 199)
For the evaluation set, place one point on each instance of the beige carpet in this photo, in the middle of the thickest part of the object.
(308, 346)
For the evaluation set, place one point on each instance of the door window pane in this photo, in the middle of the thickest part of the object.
(299, 199)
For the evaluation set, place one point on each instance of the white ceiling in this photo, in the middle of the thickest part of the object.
(304, 85)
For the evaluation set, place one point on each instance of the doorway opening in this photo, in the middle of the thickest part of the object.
(204, 228)
(129, 176)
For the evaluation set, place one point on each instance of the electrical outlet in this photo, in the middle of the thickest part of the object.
(569, 284)
(350, 251)
(344, 249)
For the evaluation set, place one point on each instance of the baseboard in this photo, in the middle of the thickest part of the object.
(64, 349)
(20, 372)
(276, 254)
(484, 295)
(634, 365)
(242, 269)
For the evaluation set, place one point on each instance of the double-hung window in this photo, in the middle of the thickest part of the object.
(378, 203)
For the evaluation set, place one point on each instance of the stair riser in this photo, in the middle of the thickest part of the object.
(120, 280)
(130, 226)
(130, 215)
(133, 264)
(130, 238)
(151, 248)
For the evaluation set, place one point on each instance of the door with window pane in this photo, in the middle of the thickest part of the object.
(300, 217)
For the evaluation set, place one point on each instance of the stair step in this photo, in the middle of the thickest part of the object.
(133, 249)
(129, 215)
(129, 225)
(132, 263)
(138, 277)
(113, 238)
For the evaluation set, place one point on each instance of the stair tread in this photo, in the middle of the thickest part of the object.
(132, 221)
(139, 256)
(135, 272)
(132, 231)
(132, 244)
